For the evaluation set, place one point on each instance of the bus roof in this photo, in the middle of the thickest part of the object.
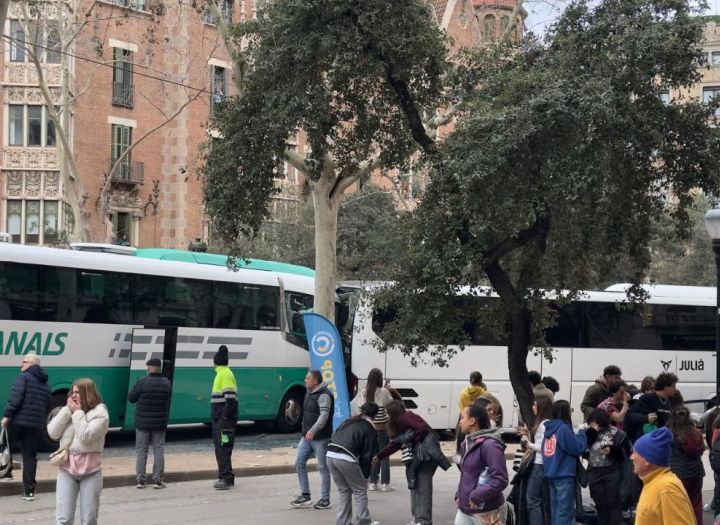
(138, 265)
(216, 259)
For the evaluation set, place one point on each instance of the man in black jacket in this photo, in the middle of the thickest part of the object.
(152, 395)
(652, 408)
(26, 412)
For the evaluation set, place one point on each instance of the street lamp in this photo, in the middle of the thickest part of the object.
(712, 226)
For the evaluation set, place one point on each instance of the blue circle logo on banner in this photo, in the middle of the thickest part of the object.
(322, 344)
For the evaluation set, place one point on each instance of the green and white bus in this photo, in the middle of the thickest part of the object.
(102, 315)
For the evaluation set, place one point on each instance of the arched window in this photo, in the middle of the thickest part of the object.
(488, 28)
(504, 23)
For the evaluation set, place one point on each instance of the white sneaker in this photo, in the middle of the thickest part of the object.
(386, 487)
(372, 486)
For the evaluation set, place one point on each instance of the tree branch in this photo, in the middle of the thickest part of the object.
(537, 230)
(297, 161)
(402, 92)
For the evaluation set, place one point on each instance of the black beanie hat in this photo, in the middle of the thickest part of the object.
(221, 358)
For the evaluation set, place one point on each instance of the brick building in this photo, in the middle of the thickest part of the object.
(140, 73)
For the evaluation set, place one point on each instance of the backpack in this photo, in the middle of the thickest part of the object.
(715, 456)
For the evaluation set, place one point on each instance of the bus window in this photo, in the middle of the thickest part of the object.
(297, 303)
(168, 301)
(19, 292)
(245, 307)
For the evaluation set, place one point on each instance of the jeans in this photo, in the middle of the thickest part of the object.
(29, 439)
(382, 470)
(351, 486)
(534, 495)
(304, 452)
(144, 439)
(67, 490)
(223, 453)
(421, 497)
(604, 483)
(716, 493)
(562, 501)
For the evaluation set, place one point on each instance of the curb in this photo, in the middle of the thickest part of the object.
(15, 488)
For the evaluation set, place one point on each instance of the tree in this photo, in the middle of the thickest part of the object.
(368, 236)
(683, 258)
(361, 80)
(559, 170)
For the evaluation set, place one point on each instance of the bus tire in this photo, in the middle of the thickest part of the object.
(59, 399)
(290, 414)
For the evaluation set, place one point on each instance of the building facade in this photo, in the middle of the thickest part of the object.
(134, 83)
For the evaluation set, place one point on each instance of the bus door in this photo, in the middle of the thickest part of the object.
(148, 343)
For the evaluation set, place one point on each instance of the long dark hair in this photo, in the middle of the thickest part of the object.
(681, 425)
(561, 410)
(394, 410)
(544, 411)
(374, 381)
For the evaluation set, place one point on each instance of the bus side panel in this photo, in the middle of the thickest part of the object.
(265, 366)
(69, 351)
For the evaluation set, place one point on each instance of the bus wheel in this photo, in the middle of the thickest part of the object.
(59, 399)
(290, 414)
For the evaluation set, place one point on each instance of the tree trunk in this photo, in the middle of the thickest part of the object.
(520, 323)
(326, 218)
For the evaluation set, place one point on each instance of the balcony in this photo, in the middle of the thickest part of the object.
(130, 173)
(123, 95)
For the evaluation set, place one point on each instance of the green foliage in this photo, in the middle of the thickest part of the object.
(368, 232)
(354, 76)
(560, 168)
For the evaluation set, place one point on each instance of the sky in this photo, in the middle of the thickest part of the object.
(541, 13)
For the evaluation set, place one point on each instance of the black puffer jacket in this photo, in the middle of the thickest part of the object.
(29, 400)
(358, 438)
(152, 395)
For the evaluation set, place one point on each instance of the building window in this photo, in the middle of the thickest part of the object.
(219, 86)
(32, 221)
(226, 9)
(17, 34)
(121, 140)
(30, 126)
(122, 94)
(708, 94)
(132, 4)
(489, 28)
(46, 44)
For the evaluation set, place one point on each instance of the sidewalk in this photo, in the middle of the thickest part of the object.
(189, 466)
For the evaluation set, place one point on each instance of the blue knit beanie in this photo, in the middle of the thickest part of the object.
(655, 447)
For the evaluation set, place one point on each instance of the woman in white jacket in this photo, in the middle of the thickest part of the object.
(81, 427)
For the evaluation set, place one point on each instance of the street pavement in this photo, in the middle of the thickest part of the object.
(261, 500)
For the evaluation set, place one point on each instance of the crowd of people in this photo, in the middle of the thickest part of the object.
(639, 450)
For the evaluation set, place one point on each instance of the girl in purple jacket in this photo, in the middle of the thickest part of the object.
(483, 471)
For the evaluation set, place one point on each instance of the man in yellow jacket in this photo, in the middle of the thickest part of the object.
(663, 500)
(224, 413)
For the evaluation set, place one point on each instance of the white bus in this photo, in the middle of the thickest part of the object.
(673, 332)
(102, 315)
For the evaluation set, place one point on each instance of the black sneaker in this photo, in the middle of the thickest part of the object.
(159, 484)
(323, 504)
(28, 496)
(141, 485)
(303, 500)
(7, 477)
(220, 484)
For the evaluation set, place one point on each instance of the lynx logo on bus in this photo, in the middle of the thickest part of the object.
(326, 356)
(21, 343)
